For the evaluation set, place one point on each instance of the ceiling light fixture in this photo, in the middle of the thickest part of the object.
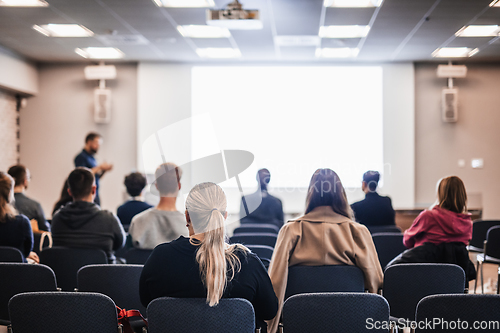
(352, 3)
(23, 3)
(100, 52)
(337, 52)
(495, 3)
(63, 30)
(235, 17)
(185, 3)
(203, 31)
(454, 52)
(478, 31)
(344, 31)
(219, 52)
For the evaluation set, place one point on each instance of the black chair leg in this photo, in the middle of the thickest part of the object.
(482, 279)
(477, 277)
(498, 281)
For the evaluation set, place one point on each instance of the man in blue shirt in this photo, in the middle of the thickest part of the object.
(135, 183)
(86, 159)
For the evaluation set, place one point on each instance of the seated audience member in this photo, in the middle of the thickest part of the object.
(135, 183)
(82, 223)
(261, 206)
(375, 210)
(204, 265)
(24, 205)
(325, 235)
(15, 230)
(63, 199)
(441, 234)
(162, 223)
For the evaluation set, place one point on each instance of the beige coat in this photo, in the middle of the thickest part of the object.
(322, 237)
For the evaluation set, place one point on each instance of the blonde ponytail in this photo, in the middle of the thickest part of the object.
(206, 205)
(6, 196)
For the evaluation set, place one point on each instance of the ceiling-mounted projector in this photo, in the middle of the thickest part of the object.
(234, 17)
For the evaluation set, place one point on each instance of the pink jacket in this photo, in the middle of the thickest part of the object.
(439, 225)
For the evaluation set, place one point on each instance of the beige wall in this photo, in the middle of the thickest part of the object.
(55, 122)
(440, 145)
(8, 130)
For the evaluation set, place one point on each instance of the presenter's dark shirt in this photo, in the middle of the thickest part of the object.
(374, 210)
(262, 208)
(16, 232)
(31, 209)
(130, 209)
(172, 271)
(87, 160)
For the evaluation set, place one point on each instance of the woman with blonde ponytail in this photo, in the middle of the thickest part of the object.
(15, 230)
(204, 265)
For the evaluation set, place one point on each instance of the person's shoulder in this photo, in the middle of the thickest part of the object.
(179, 243)
(21, 218)
(144, 215)
(357, 204)
(107, 215)
(358, 229)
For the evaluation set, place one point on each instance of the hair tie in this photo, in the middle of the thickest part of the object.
(213, 210)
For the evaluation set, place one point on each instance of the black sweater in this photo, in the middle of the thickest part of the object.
(172, 270)
(16, 232)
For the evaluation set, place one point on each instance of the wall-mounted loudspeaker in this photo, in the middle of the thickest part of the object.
(102, 105)
(449, 105)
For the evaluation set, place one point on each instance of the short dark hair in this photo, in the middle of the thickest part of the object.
(135, 183)
(91, 136)
(80, 182)
(371, 178)
(19, 173)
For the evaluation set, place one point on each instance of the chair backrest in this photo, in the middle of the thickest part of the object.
(67, 261)
(137, 256)
(58, 312)
(315, 279)
(388, 245)
(335, 312)
(406, 284)
(257, 227)
(479, 230)
(10, 254)
(18, 278)
(194, 315)
(262, 251)
(252, 238)
(468, 309)
(384, 228)
(493, 242)
(120, 282)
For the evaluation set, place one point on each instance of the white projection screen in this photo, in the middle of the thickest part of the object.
(294, 120)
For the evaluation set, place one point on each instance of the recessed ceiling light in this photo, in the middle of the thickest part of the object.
(219, 52)
(63, 30)
(453, 52)
(23, 3)
(344, 31)
(203, 31)
(495, 3)
(337, 52)
(478, 31)
(185, 3)
(100, 52)
(352, 3)
(300, 40)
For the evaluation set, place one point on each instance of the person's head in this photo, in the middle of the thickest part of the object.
(81, 184)
(63, 199)
(263, 177)
(6, 196)
(92, 142)
(452, 195)
(20, 174)
(135, 183)
(370, 181)
(205, 214)
(168, 179)
(325, 189)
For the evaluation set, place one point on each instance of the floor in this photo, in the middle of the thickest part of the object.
(490, 277)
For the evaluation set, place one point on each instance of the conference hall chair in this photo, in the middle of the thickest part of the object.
(389, 246)
(10, 254)
(67, 261)
(257, 227)
(194, 315)
(253, 238)
(332, 278)
(137, 256)
(63, 312)
(262, 251)
(17, 278)
(460, 313)
(406, 284)
(384, 229)
(479, 230)
(490, 255)
(335, 313)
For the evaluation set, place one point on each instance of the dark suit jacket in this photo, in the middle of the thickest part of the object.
(374, 210)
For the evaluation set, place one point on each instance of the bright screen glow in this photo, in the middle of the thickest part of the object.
(293, 119)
